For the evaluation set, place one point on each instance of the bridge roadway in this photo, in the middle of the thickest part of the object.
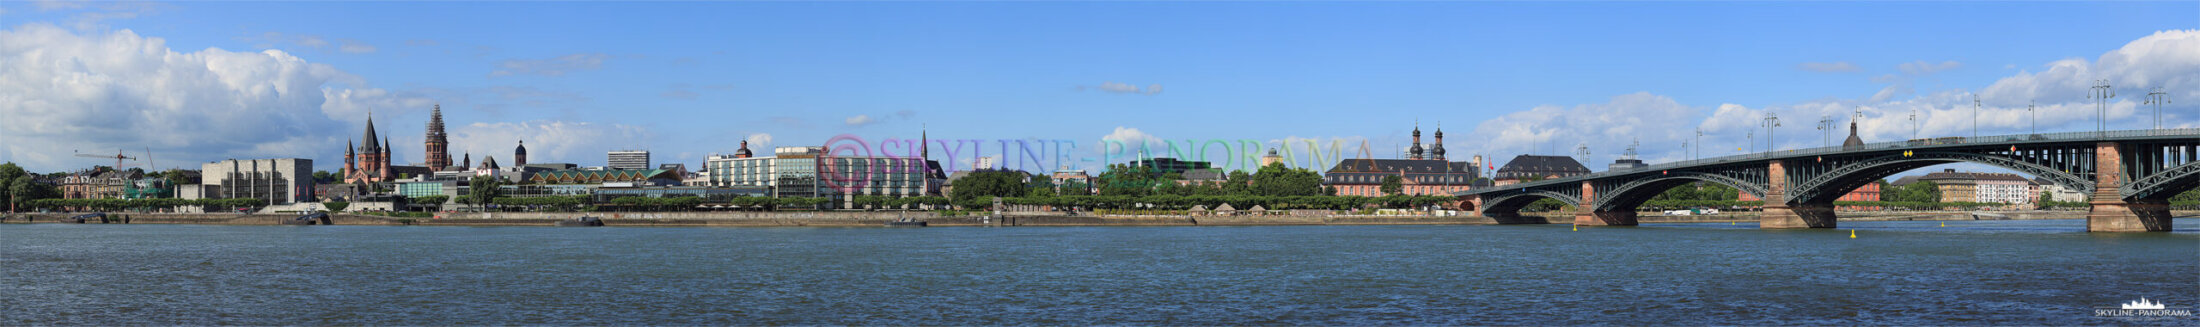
(2130, 175)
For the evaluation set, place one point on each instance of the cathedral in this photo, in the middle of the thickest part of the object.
(371, 162)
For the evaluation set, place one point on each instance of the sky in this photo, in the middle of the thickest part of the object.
(192, 82)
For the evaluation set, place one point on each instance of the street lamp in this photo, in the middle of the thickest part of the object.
(2101, 92)
(2157, 98)
(2031, 110)
(1914, 127)
(1770, 122)
(1825, 130)
(1699, 143)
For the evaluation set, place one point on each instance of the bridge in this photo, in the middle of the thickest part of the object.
(2130, 174)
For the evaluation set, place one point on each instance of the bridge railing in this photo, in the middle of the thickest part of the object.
(1905, 144)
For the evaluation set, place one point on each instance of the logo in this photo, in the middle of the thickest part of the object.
(2142, 307)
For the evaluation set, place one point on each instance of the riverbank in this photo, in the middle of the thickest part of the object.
(879, 219)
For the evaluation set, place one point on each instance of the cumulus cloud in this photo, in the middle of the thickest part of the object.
(118, 90)
(1828, 67)
(1603, 127)
(582, 143)
(1122, 88)
(558, 66)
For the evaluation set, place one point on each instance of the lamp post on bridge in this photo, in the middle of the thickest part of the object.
(1914, 127)
(2157, 98)
(2101, 92)
(1771, 121)
(1974, 115)
(1699, 143)
(2031, 110)
(1825, 131)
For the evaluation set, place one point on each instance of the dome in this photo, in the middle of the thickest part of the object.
(744, 151)
(522, 148)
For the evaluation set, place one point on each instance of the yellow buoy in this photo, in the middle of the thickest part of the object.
(1943, 224)
(1852, 233)
(1577, 228)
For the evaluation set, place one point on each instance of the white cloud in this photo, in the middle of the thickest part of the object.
(582, 143)
(550, 67)
(860, 120)
(118, 90)
(1921, 67)
(51, 5)
(1122, 88)
(1828, 67)
(1131, 137)
(355, 46)
(759, 141)
(1606, 128)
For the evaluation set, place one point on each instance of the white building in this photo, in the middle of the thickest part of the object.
(279, 181)
(805, 171)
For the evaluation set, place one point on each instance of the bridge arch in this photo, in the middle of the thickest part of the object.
(1632, 194)
(1511, 203)
(2162, 185)
(1825, 187)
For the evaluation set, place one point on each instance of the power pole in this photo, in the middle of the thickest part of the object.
(1825, 127)
(1771, 121)
(1752, 140)
(2157, 98)
(2101, 92)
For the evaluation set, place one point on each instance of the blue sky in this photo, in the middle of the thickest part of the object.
(685, 79)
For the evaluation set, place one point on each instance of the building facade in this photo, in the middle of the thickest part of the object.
(628, 159)
(277, 181)
(1528, 167)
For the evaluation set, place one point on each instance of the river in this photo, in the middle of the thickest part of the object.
(1894, 272)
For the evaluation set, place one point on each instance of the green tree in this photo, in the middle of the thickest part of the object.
(1393, 184)
(1075, 187)
(8, 173)
(1275, 179)
(336, 206)
(1040, 186)
(485, 189)
(986, 184)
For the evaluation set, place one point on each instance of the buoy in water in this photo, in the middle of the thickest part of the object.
(1943, 224)
(1852, 233)
(1577, 228)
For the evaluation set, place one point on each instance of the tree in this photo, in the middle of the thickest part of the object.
(336, 206)
(1275, 179)
(985, 184)
(1075, 187)
(8, 173)
(485, 189)
(1393, 184)
(1040, 186)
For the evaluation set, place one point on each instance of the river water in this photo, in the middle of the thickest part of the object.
(1904, 273)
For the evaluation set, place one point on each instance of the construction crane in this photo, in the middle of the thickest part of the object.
(118, 156)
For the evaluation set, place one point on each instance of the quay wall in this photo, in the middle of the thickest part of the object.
(879, 218)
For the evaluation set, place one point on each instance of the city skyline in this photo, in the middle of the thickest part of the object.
(1504, 78)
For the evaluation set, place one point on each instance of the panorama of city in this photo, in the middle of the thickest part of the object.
(735, 163)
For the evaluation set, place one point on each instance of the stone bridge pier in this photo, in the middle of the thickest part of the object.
(1587, 214)
(1779, 214)
(2111, 212)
